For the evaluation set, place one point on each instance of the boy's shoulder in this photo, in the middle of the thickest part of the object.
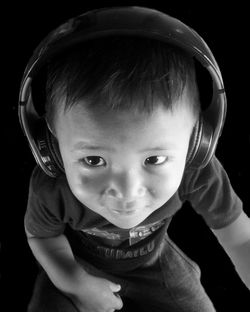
(42, 184)
(211, 194)
(194, 178)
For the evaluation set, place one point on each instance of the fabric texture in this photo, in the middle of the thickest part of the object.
(170, 284)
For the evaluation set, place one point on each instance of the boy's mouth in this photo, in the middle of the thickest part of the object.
(124, 212)
(124, 208)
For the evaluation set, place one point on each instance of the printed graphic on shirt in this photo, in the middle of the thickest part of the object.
(134, 235)
(113, 253)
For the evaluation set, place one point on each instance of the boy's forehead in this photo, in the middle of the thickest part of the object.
(98, 125)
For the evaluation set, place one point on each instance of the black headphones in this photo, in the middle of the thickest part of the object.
(134, 21)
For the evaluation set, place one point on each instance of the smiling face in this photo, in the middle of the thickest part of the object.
(124, 165)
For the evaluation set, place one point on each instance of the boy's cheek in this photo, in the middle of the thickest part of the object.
(83, 185)
(167, 187)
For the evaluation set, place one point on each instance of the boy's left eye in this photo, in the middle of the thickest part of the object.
(156, 160)
(94, 161)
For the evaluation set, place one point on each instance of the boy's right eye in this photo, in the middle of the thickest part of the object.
(93, 161)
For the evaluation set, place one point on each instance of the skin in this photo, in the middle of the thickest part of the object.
(124, 165)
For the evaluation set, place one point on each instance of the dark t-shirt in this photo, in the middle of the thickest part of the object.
(52, 207)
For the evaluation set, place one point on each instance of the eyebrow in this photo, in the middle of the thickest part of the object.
(86, 146)
(158, 148)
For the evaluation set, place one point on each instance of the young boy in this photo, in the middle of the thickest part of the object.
(122, 111)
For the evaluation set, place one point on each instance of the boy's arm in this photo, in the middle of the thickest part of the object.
(56, 257)
(235, 239)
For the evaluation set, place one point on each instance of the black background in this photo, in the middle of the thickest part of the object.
(225, 29)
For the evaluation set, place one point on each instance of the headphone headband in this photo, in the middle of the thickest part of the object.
(132, 21)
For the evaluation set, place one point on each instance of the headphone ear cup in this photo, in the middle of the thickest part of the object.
(54, 149)
(48, 154)
(193, 143)
(200, 150)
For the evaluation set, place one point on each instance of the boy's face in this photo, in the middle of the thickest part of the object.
(124, 165)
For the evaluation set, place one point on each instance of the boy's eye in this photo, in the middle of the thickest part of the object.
(94, 161)
(156, 160)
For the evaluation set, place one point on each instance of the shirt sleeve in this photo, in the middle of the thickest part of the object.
(43, 217)
(211, 194)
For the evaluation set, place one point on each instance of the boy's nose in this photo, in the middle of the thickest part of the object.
(128, 186)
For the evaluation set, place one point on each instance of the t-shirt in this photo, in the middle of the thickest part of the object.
(53, 209)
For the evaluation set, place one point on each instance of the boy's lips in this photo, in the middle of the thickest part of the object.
(124, 208)
(126, 205)
(124, 212)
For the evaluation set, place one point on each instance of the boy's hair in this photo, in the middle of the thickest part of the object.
(120, 73)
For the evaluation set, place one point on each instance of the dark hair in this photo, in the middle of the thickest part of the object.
(120, 73)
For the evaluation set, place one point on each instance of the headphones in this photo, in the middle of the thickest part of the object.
(134, 21)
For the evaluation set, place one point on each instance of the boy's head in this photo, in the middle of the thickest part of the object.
(123, 110)
(120, 73)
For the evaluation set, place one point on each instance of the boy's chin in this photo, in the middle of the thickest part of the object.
(126, 224)
(127, 219)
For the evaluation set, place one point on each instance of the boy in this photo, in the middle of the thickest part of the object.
(123, 111)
